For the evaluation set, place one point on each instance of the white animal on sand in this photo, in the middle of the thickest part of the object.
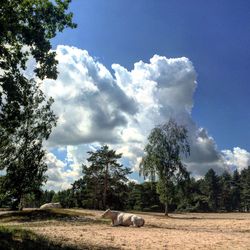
(51, 205)
(123, 219)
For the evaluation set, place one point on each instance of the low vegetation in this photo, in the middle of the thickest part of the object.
(15, 238)
(16, 233)
(40, 215)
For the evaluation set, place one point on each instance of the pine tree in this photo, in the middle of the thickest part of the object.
(245, 189)
(135, 199)
(225, 201)
(236, 191)
(211, 189)
(79, 192)
(105, 178)
(150, 197)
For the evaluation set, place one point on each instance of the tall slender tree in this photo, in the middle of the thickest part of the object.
(245, 189)
(167, 144)
(225, 199)
(211, 189)
(236, 191)
(79, 192)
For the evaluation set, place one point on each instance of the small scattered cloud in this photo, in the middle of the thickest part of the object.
(236, 158)
(60, 173)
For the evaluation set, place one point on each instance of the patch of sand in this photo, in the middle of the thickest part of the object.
(179, 231)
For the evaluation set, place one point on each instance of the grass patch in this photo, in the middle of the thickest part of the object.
(40, 215)
(21, 237)
(13, 238)
(2, 209)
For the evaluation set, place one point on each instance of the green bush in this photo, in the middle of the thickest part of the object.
(155, 208)
(137, 208)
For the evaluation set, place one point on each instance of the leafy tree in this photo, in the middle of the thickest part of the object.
(105, 178)
(211, 189)
(184, 191)
(66, 198)
(47, 196)
(44, 197)
(117, 194)
(225, 199)
(194, 199)
(150, 197)
(5, 199)
(23, 157)
(79, 192)
(211, 193)
(143, 197)
(166, 145)
(245, 189)
(93, 186)
(55, 197)
(135, 198)
(166, 190)
(236, 191)
(30, 200)
(26, 28)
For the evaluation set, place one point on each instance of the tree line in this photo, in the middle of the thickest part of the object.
(105, 184)
(212, 193)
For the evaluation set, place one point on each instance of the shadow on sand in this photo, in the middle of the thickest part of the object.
(16, 239)
(21, 240)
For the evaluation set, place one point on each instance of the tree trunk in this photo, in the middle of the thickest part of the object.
(15, 204)
(166, 195)
(20, 205)
(95, 197)
(166, 209)
(105, 187)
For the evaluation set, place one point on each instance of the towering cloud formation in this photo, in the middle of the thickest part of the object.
(95, 107)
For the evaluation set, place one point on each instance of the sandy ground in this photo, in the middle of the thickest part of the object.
(179, 231)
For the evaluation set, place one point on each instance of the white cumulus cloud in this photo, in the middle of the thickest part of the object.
(119, 108)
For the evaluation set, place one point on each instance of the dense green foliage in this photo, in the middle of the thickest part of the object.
(227, 194)
(166, 144)
(26, 28)
(23, 156)
(26, 119)
(104, 179)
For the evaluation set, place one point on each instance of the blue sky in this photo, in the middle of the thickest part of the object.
(213, 35)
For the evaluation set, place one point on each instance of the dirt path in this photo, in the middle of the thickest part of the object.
(180, 231)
